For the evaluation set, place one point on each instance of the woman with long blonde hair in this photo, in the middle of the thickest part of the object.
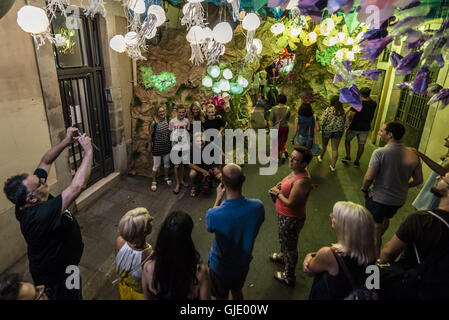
(341, 266)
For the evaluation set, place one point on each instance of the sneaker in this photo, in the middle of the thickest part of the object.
(320, 159)
(356, 164)
(346, 160)
(332, 168)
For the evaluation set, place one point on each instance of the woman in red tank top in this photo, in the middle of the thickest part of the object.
(291, 195)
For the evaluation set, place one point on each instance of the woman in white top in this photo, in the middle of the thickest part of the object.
(132, 250)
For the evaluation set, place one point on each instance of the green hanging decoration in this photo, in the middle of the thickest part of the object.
(325, 56)
(161, 82)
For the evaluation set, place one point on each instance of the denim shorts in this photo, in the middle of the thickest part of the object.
(306, 141)
(361, 136)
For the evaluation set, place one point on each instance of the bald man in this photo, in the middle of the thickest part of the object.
(235, 222)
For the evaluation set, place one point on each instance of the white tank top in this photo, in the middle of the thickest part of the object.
(130, 260)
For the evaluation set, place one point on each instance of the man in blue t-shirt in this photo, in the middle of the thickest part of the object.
(235, 223)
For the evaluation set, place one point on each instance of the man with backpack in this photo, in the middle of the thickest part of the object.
(423, 240)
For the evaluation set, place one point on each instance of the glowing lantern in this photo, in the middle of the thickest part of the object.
(295, 31)
(159, 12)
(251, 22)
(340, 54)
(213, 71)
(207, 82)
(195, 37)
(277, 28)
(242, 82)
(131, 38)
(349, 41)
(118, 43)
(137, 6)
(227, 74)
(332, 41)
(327, 26)
(224, 85)
(356, 48)
(216, 88)
(258, 46)
(341, 36)
(313, 37)
(350, 55)
(236, 88)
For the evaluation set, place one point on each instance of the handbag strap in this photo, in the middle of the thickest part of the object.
(345, 268)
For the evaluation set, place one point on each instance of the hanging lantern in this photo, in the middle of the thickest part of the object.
(138, 7)
(356, 49)
(327, 26)
(222, 34)
(313, 37)
(195, 37)
(349, 41)
(277, 28)
(214, 71)
(118, 43)
(207, 82)
(350, 55)
(235, 88)
(294, 32)
(193, 14)
(94, 7)
(235, 9)
(132, 46)
(224, 85)
(341, 37)
(216, 87)
(227, 74)
(155, 18)
(53, 6)
(34, 21)
(250, 23)
(340, 54)
(242, 81)
(253, 51)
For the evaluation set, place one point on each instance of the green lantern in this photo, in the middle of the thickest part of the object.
(236, 88)
(216, 87)
(214, 71)
(242, 82)
(207, 81)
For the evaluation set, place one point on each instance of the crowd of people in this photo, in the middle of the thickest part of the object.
(173, 269)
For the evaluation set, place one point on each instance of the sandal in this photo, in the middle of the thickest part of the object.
(154, 186)
(168, 181)
(276, 257)
(193, 192)
(176, 190)
(185, 185)
(280, 276)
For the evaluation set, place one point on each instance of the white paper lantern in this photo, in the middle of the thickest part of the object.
(340, 54)
(118, 43)
(227, 74)
(32, 19)
(207, 82)
(341, 37)
(224, 85)
(350, 55)
(313, 37)
(258, 45)
(195, 35)
(138, 6)
(222, 32)
(251, 22)
(332, 41)
(295, 31)
(327, 26)
(159, 12)
(277, 28)
(349, 41)
(131, 38)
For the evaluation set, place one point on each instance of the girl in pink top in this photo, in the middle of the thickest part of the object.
(291, 195)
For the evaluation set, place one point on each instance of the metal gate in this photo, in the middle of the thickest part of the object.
(81, 83)
(412, 111)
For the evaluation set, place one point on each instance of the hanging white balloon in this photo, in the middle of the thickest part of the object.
(235, 9)
(253, 51)
(53, 6)
(94, 7)
(34, 20)
(193, 14)
(195, 37)
(250, 23)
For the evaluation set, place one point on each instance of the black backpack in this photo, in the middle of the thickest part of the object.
(428, 280)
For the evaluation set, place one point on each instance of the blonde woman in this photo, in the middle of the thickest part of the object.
(354, 251)
(132, 250)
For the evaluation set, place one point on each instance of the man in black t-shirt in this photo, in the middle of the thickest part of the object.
(50, 230)
(429, 232)
(360, 126)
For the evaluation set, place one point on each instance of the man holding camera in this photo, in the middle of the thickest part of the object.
(52, 233)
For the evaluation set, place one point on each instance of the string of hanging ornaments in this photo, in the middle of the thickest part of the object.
(36, 21)
(135, 40)
(193, 14)
(253, 46)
